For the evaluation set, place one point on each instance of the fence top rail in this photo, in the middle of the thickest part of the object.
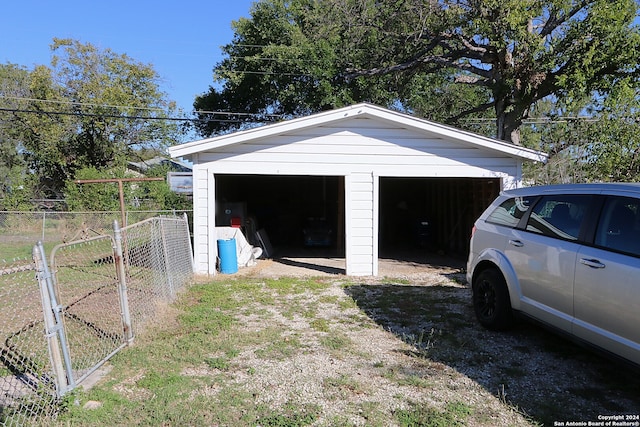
(152, 219)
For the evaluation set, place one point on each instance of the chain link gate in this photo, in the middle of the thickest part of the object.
(87, 289)
(64, 322)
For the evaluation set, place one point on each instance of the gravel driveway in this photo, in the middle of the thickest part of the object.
(526, 376)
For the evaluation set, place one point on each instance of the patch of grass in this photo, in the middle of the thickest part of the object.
(293, 285)
(347, 303)
(309, 313)
(280, 348)
(220, 363)
(330, 299)
(423, 341)
(320, 325)
(455, 414)
(291, 415)
(342, 386)
(336, 342)
(415, 381)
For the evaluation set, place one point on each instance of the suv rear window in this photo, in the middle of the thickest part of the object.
(510, 211)
(559, 216)
(619, 226)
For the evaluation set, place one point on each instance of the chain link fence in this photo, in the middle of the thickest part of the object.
(159, 262)
(26, 383)
(20, 230)
(66, 317)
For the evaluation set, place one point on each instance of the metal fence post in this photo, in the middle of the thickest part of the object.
(55, 333)
(165, 256)
(186, 221)
(44, 224)
(122, 284)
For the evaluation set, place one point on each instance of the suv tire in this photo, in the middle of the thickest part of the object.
(491, 301)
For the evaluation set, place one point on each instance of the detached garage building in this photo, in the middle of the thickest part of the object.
(371, 174)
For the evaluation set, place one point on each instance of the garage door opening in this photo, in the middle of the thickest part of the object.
(423, 218)
(303, 216)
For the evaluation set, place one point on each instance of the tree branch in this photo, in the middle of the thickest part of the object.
(477, 109)
(555, 21)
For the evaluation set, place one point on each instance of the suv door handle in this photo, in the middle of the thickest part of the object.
(516, 243)
(593, 263)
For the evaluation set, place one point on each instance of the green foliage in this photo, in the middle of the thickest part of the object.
(92, 108)
(442, 60)
(145, 195)
(14, 83)
(93, 197)
(16, 191)
(602, 145)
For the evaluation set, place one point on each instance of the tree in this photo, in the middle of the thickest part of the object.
(590, 139)
(13, 85)
(491, 57)
(143, 195)
(91, 108)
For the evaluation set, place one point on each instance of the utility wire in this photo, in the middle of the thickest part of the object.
(263, 117)
(88, 104)
(116, 116)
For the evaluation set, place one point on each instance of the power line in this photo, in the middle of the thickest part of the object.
(116, 116)
(125, 107)
(260, 117)
(266, 73)
(86, 104)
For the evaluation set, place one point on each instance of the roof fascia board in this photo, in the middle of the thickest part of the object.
(362, 109)
(259, 132)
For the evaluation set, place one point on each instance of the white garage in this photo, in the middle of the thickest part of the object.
(369, 174)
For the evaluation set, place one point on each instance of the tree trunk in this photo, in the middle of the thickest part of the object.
(500, 119)
(508, 122)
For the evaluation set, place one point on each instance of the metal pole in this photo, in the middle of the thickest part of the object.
(120, 189)
(122, 285)
(165, 254)
(186, 222)
(56, 330)
(50, 325)
(121, 195)
(44, 220)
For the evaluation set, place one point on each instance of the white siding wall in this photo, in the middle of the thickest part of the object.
(360, 145)
(361, 207)
(204, 248)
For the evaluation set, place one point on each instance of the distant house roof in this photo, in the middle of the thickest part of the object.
(174, 165)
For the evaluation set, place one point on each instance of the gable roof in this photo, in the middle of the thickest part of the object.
(363, 110)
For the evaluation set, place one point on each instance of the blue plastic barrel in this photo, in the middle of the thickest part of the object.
(228, 257)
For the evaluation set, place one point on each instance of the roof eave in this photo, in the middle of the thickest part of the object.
(191, 148)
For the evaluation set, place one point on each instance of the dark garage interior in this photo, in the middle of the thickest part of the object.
(286, 207)
(430, 215)
(304, 215)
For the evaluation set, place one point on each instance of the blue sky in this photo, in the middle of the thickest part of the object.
(180, 39)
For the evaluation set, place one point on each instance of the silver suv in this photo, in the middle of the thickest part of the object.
(565, 255)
